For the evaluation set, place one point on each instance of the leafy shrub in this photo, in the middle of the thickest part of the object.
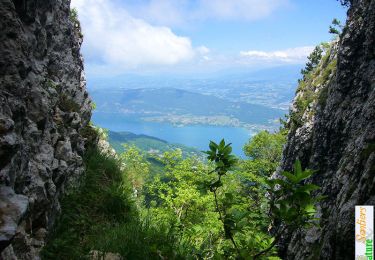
(293, 203)
(265, 150)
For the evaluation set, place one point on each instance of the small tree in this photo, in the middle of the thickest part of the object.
(136, 167)
(292, 203)
(336, 27)
(224, 161)
(313, 60)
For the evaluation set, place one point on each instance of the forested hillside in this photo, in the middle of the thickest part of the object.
(150, 145)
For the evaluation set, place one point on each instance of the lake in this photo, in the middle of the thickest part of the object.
(197, 136)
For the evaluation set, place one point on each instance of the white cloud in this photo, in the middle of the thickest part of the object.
(115, 38)
(292, 55)
(203, 50)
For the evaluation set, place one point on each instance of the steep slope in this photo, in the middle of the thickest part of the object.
(332, 130)
(44, 106)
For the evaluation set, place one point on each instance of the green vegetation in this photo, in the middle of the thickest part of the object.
(152, 146)
(213, 214)
(313, 87)
(190, 209)
(265, 149)
(102, 215)
(98, 204)
(336, 27)
(74, 17)
(313, 60)
(93, 105)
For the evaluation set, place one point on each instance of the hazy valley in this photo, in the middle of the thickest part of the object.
(191, 110)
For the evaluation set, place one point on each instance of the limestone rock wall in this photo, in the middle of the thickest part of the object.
(44, 107)
(337, 139)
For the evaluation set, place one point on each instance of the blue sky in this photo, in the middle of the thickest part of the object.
(175, 36)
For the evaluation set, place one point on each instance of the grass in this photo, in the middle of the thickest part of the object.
(101, 215)
(100, 202)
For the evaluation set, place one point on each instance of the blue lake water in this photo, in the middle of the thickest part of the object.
(197, 136)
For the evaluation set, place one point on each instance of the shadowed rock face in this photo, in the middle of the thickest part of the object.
(44, 105)
(339, 142)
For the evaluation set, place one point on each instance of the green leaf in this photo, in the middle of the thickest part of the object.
(304, 175)
(297, 167)
(310, 209)
(222, 144)
(213, 146)
(308, 188)
(227, 150)
(290, 177)
(274, 182)
(302, 198)
(321, 197)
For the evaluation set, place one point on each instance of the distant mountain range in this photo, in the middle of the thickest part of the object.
(181, 107)
(288, 73)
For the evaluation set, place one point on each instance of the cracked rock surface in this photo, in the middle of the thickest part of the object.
(338, 141)
(44, 107)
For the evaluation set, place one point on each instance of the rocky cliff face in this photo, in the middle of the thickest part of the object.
(334, 134)
(44, 106)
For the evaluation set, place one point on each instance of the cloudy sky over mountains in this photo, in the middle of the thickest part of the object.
(201, 35)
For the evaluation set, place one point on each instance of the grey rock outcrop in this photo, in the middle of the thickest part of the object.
(44, 106)
(337, 139)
